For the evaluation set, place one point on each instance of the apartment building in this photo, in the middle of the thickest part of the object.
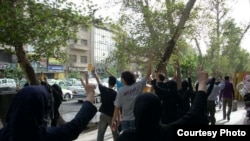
(79, 52)
(102, 45)
(93, 46)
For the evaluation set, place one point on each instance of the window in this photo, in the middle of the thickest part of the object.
(75, 41)
(73, 58)
(84, 29)
(84, 42)
(71, 45)
(83, 59)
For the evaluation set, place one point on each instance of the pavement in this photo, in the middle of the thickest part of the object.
(237, 118)
(90, 133)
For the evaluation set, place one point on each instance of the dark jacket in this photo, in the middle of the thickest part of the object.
(156, 84)
(186, 94)
(170, 101)
(25, 118)
(228, 91)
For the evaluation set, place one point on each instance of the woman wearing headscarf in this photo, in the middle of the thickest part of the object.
(147, 116)
(170, 101)
(58, 98)
(26, 117)
(185, 93)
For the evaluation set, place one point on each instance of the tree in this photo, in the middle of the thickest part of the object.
(177, 32)
(151, 26)
(46, 26)
(224, 41)
(74, 74)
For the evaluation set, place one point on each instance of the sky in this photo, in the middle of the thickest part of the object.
(240, 12)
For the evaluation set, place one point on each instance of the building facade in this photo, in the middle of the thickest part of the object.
(79, 52)
(93, 46)
(102, 45)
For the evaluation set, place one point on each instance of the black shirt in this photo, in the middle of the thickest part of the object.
(108, 96)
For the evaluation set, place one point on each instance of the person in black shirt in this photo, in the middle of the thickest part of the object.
(108, 95)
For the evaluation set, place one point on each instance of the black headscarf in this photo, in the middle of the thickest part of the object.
(147, 113)
(184, 84)
(58, 98)
(26, 114)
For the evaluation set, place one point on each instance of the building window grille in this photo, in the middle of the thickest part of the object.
(84, 59)
(73, 58)
(84, 42)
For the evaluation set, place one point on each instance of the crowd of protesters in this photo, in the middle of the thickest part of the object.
(140, 115)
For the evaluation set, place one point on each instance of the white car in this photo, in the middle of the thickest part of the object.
(7, 82)
(67, 94)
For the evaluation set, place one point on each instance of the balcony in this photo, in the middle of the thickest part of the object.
(79, 47)
(79, 64)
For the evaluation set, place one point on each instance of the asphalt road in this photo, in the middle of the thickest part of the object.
(68, 110)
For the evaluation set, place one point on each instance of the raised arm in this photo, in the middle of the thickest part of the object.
(90, 90)
(149, 71)
(202, 78)
(72, 129)
(82, 82)
(96, 75)
(108, 72)
(175, 72)
(190, 82)
(196, 115)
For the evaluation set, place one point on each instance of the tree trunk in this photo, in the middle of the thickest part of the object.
(170, 45)
(178, 75)
(25, 65)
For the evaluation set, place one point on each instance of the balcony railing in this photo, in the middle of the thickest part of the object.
(78, 47)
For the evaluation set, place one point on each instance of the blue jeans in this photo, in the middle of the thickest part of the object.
(128, 124)
(104, 122)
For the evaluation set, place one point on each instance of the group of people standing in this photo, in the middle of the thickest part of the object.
(175, 103)
(142, 116)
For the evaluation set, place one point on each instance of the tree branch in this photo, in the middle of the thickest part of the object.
(243, 34)
(197, 45)
(172, 42)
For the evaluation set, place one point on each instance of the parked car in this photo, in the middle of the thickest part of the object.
(79, 92)
(62, 83)
(7, 82)
(67, 94)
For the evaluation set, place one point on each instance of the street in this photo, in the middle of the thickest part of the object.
(70, 108)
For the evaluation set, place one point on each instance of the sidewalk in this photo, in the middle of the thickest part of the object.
(236, 118)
